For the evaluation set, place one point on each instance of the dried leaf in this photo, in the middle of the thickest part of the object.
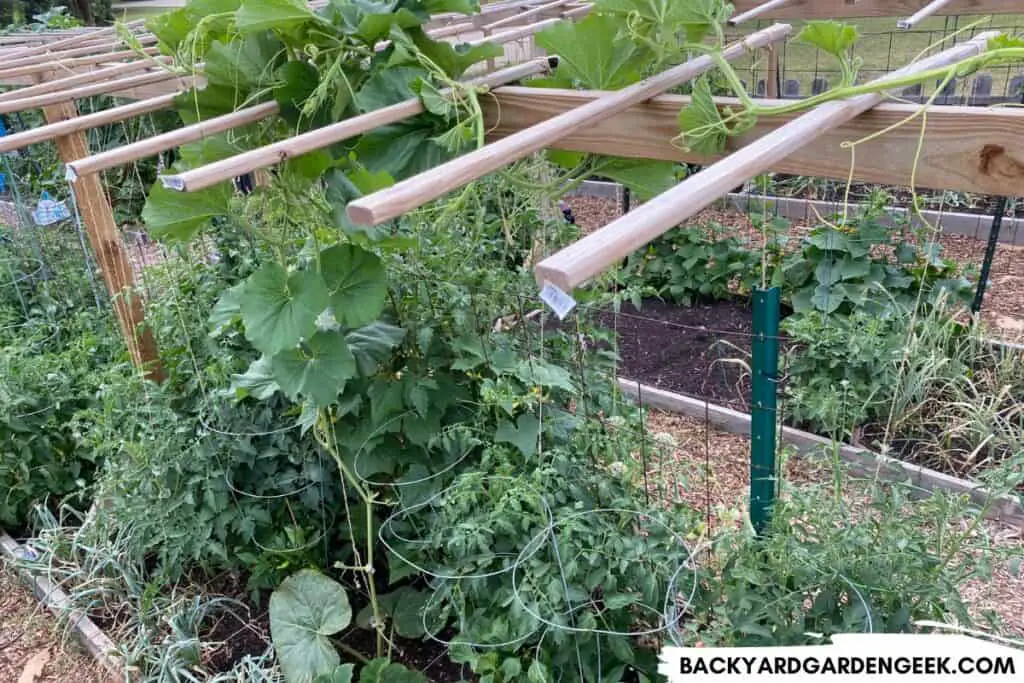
(34, 667)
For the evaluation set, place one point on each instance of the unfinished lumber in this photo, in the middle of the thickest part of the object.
(593, 254)
(105, 240)
(103, 88)
(386, 204)
(278, 152)
(761, 10)
(51, 131)
(847, 9)
(8, 73)
(98, 75)
(528, 14)
(922, 14)
(141, 149)
(966, 149)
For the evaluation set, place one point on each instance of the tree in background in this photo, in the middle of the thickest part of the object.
(20, 12)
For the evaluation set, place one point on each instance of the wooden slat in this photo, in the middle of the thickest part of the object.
(967, 149)
(414, 192)
(844, 9)
(105, 239)
(596, 252)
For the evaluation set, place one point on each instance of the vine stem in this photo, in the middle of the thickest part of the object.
(323, 428)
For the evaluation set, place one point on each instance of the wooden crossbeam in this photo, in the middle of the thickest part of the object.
(966, 149)
(599, 250)
(848, 9)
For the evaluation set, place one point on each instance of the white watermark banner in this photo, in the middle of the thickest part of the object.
(868, 657)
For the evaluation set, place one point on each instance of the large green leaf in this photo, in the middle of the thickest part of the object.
(453, 59)
(830, 36)
(341, 674)
(258, 381)
(403, 149)
(173, 215)
(226, 311)
(279, 309)
(372, 20)
(591, 52)
(388, 86)
(344, 187)
(373, 344)
(704, 132)
(316, 369)
(171, 28)
(305, 610)
(264, 15)
(523, 434)
(356, 283)
(205, 103)
(646, 179)
(383, 671)
(246, 63)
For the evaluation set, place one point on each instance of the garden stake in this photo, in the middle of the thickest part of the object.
(990, 254)
(764, 378)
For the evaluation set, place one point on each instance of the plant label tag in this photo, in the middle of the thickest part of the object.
(560, 302)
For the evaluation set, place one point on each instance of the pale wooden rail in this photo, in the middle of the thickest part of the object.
(593, 254)
(386, 204)
(966, 149)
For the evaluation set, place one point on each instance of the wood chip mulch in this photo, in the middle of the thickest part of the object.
(33, 648)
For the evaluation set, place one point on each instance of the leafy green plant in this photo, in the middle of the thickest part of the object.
(305, 611)
(693, 263)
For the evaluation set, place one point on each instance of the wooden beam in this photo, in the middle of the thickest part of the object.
(596, 252)
(69, 64)
(928, 10)
(847, 9)
(106, 88)
(413, 192)
(966, 149)
(279, 152)
(88, 77)
(105, 239)
(87, 122)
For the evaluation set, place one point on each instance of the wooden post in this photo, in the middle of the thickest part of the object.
(771, 85)
(101, 228)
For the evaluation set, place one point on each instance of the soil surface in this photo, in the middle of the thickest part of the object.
(701, 350)
(33, 648)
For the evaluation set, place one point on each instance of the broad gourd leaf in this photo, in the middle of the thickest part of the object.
(258, 381)
(226, 311)
(372, 20)
(174, 215)
(381, 670)
(704, 132)
(389, 86)
(296, 81)
(456, 6)
(316, 369)
(1005, 40)
(171, 28)
(403, 149)
(196, 105)
(523, 434)
(591, 53)
(373, 344)
(646, 179)
(279, 309)
(695, 17)
(833, 37)
(305, 610)
(246, 63)
(453, 59)
(341, 674)
(355, 283)
(264, 15)
(344, 187)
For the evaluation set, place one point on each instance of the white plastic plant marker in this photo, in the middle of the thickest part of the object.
(560, 302)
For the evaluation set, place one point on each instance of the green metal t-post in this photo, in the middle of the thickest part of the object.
(764, 380)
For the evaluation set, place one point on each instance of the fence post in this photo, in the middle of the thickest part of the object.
(101, 229)
(990, 254)
(764, 370)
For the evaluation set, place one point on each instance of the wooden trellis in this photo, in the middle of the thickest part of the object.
(970, 150)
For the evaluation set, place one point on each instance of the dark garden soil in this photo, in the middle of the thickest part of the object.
(701, 350)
